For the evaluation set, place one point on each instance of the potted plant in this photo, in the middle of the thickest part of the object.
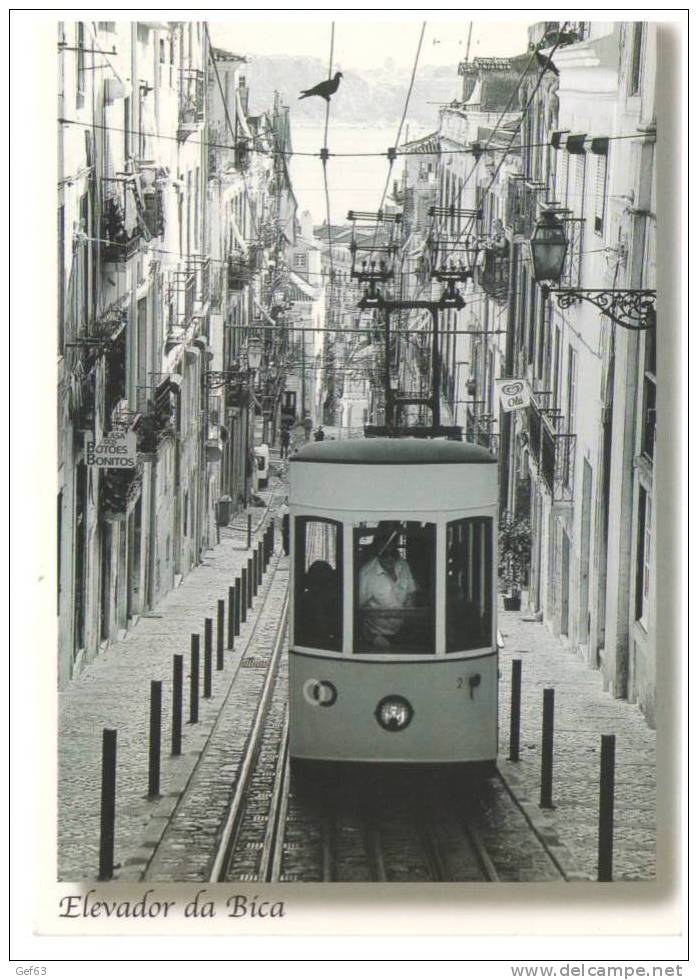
(514, 558)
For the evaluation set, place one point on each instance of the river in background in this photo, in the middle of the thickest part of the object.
(354, 182)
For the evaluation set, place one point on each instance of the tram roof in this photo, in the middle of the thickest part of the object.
(392, 452)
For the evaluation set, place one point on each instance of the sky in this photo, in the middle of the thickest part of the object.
(364, 40)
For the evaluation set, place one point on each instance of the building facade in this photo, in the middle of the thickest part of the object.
(153, 209)
(577, 464)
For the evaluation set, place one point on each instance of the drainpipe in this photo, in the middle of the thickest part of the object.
(506, 417)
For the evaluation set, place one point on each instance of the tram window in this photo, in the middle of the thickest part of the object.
(469, 584)
(394, 587)
(318, 583)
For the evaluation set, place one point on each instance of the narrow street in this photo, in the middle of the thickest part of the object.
(346, 827)
(436, 299)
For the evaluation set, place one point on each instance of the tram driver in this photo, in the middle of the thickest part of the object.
(386, 586)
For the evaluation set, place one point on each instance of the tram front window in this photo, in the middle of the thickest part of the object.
(318, 584)
(469, 584)
(394, 564)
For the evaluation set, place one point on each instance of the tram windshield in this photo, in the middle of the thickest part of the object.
(394, 587)
(469, 584)
(318, 583)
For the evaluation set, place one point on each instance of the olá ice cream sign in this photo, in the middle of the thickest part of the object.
(513, 393)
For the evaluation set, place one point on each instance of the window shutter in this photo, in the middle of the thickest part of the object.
(561, 179)
(577, 203)
(600, 193)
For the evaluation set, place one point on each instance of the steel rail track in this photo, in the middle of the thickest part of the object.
(231, 826)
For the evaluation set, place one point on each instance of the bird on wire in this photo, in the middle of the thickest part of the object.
(324, 89)
(546, 63)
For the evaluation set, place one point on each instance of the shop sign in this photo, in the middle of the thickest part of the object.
(116, 451)
(513, 394)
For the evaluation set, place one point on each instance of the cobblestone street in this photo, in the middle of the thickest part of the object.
(162, 840)
(583, 712)
(113, 692)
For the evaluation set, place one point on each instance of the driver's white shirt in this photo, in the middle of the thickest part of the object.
(378, 589)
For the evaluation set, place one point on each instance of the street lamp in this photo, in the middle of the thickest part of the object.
(254, 353)
(548, 246)
(633, 309)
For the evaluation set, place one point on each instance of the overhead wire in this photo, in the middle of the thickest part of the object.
(212, 144)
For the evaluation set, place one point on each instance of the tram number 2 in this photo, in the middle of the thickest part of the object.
(471, 682)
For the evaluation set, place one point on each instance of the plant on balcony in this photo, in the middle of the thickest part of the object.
(514, 558)
(155, 425)
(115, 222)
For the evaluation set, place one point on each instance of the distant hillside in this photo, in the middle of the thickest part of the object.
(376, 96)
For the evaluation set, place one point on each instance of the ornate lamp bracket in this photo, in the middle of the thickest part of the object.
(633, 309)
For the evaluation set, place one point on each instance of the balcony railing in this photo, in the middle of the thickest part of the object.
(200, 269)
(522, 206)
(153, 211)
(571, 277)
(534, 429)
(191, 100)
(157, 421)
(120, 233)
(183, 293)
(493, 274)
(240, 270)
(553, 450)
(557, 460)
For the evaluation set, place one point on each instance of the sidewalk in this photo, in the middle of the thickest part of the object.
(583, 712)
(114, 692)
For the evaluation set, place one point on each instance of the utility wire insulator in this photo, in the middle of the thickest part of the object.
(324, 154)
(392, 154)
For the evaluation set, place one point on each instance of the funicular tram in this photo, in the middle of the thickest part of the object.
(393, 653)
(393, 634)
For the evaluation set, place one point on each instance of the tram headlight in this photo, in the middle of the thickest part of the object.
(394, 713)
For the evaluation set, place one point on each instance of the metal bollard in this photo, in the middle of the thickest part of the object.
(155, 736)
(515, 714)
(238, 605)
(606, 792)
(272, 534)
(107, 812)
(208, 655)
(177, 676)
(243, 596)
(231, 617)
(546, 762)
(249, 583)
(255, 571)
(249, 531)
(194, 680)
(260, 563)
(220, 637)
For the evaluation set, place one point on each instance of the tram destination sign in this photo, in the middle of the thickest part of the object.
(513, 393)
(115, 451)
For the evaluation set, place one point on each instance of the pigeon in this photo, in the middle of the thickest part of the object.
(324, 89)
(546, 63)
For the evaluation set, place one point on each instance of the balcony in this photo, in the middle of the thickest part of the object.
(521, 206)
(153, 211)
(553, 450)
(119, 489)
(200, 269)
(493, 273)
(572, 270)
(191, 101)
(120, 232)
(478, 430)
(157, 423)
(239, 271)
